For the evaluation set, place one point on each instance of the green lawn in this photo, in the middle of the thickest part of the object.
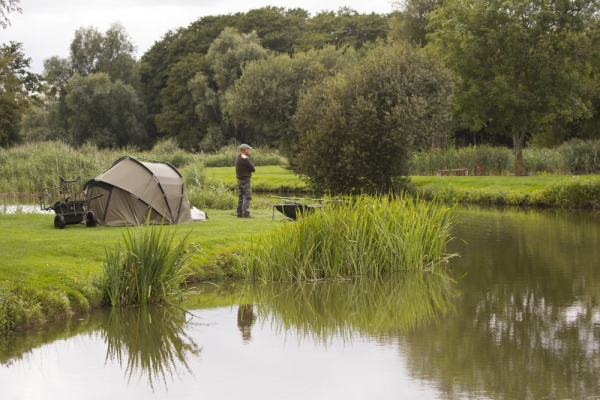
(265, 179)
(525, 184)
(276, 178)
(33, 253)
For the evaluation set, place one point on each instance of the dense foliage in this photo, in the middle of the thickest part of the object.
(18, 91)
(358, 130)
(326, 90)
(522, 64)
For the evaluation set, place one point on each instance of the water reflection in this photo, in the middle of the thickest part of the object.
(245, 320)
(149, 342)
(324, 310)
(528, 320)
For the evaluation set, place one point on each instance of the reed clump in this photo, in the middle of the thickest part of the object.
(364, 236)
(573, 157)
(150, 269)
(479, 160)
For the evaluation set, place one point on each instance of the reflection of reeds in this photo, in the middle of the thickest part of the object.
(150, 270)
(365, 236)
(374, 306)
(149, 341)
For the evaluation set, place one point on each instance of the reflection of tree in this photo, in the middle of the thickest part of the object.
(151, 341)
(327, 309)
(245, 320)
(527, 324)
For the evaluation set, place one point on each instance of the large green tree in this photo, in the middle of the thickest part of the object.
(267, 93)
(19, 90)
(111, 54)
(410, 21)
(225, 59)
(103, 112)
(521, 63)
(346, 27)
(280, 30)
(359, 128)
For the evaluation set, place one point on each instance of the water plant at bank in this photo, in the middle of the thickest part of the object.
(364, 236)
(150, 269)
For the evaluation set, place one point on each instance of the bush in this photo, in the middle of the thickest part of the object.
(358, 131)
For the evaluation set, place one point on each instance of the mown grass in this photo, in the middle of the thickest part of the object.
(48, 274)
(266, 179)
(560, 191)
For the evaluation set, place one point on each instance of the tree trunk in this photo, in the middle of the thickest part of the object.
(518, 141)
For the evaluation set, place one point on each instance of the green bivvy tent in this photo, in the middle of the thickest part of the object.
(133, 192)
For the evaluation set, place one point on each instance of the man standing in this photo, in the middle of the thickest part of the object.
(243, 171)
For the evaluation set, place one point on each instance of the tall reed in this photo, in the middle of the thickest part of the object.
(572, 157)
(150, 269)
(479, 160)
(362, 236)
(25, 169)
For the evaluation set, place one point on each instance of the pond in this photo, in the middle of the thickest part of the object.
(518, 316)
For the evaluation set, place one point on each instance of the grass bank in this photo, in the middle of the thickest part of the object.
(559, 191)
(48, 274)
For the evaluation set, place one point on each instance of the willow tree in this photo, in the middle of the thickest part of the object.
(521, 63)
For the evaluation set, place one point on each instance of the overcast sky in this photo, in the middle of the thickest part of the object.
(47, 27)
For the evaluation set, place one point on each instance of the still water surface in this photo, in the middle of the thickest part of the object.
(520, 319)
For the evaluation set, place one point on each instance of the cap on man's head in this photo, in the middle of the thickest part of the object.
(245, 147)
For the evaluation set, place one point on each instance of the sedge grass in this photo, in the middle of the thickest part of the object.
(363, 236)
(151, 268)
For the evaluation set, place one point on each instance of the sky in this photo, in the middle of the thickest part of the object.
(47, 27)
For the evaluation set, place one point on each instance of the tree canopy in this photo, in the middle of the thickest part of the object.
(105, 113)
(19, 90)
(267, 93)
(521, 63)
(358, 129)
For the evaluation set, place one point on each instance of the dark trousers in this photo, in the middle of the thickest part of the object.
(244, 197)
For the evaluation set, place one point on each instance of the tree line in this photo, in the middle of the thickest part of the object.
(337, 91)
